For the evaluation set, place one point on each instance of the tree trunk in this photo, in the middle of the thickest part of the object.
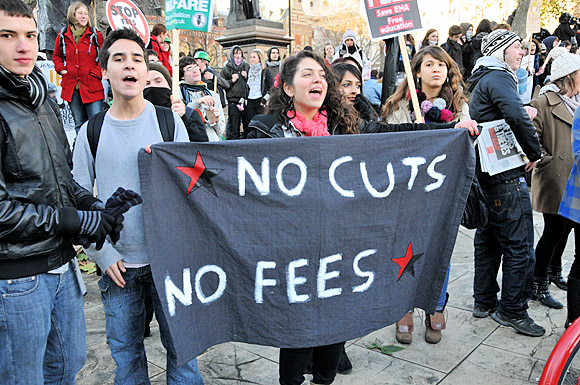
(527, 18)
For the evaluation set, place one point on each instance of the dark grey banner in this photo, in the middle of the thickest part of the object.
(303, 241)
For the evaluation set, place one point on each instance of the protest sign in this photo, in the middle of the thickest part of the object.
(389, 18)
(192, 15)
(301, 242)
(68, 123)
(498, 148)
(126, 14)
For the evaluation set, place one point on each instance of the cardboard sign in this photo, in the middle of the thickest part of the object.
(125, 14)
(389, 18)
(192, 15)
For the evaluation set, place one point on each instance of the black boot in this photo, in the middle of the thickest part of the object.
(542, 294)
(573, 300)
(555, 277)
(344, 366)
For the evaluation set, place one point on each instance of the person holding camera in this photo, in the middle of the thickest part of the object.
(567, 29)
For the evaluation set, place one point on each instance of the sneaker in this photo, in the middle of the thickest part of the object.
(481, 312)
(524, 325)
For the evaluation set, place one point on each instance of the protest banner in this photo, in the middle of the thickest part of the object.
(126, 14)
(192, 15)
(389, 18)
(301, 242)
(498, 148)
(68, 123)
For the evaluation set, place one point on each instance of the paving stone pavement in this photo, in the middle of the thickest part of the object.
(471, 352)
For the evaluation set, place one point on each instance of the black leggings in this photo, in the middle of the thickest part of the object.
(325, 361)
(551, 245)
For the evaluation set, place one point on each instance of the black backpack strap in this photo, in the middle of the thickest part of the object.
(63, 45)
(94, 40)
(166, 123)
(94, 126)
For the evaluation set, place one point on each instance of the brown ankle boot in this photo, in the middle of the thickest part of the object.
(404, 328)
(434, 324)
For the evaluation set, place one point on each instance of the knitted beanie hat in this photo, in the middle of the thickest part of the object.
(349, 34)
(564, 63)
(497, 42)
(162, 70)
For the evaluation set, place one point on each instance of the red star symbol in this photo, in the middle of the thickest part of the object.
(200, 175)
(407, 262)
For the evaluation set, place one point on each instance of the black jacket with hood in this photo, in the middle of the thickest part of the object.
(493, 96)
(238, 89)
(38, 196)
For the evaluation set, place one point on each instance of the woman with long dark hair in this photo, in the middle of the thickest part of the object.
(436, 76)
(440, 91)
(308, 102)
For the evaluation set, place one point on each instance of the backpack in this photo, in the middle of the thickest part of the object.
(92, 40)
(164, 118)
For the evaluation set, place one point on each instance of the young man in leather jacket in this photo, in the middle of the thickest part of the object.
(42, 209)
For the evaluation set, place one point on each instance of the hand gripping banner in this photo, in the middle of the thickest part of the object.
(302, 241)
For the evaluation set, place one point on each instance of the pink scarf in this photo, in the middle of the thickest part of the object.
(315, 127)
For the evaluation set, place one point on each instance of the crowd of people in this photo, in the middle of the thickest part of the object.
(480, 75)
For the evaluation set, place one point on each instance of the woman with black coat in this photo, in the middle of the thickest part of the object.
(307, 101)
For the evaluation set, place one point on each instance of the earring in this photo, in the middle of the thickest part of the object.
(291, 109)
(419, 84)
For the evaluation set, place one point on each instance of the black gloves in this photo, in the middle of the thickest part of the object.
(115, 233)
(364, 107)
(95, 225)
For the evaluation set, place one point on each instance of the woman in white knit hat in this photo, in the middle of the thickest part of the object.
(556, 105)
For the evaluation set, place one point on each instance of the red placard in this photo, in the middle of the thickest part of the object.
(126, 14)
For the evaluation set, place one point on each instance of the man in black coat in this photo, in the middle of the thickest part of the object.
(509, 232)
(454, 47)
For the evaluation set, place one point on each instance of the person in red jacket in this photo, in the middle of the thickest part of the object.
(75, 58)
(158, 36)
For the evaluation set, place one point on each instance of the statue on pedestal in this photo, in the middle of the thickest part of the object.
(245, 9)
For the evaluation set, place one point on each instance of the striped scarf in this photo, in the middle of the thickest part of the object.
(30, 89)
(191, 92)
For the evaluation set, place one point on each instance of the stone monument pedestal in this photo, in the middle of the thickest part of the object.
(255, 33)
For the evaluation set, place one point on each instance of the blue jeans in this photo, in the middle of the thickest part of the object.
(42, 329)
(83, 111)
(509, 233)
(125, 319)
(443, 295)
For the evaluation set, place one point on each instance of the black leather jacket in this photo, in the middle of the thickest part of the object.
(38, 196)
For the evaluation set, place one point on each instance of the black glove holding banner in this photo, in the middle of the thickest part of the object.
(364, 107)
(95, 225)
(109, 220)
